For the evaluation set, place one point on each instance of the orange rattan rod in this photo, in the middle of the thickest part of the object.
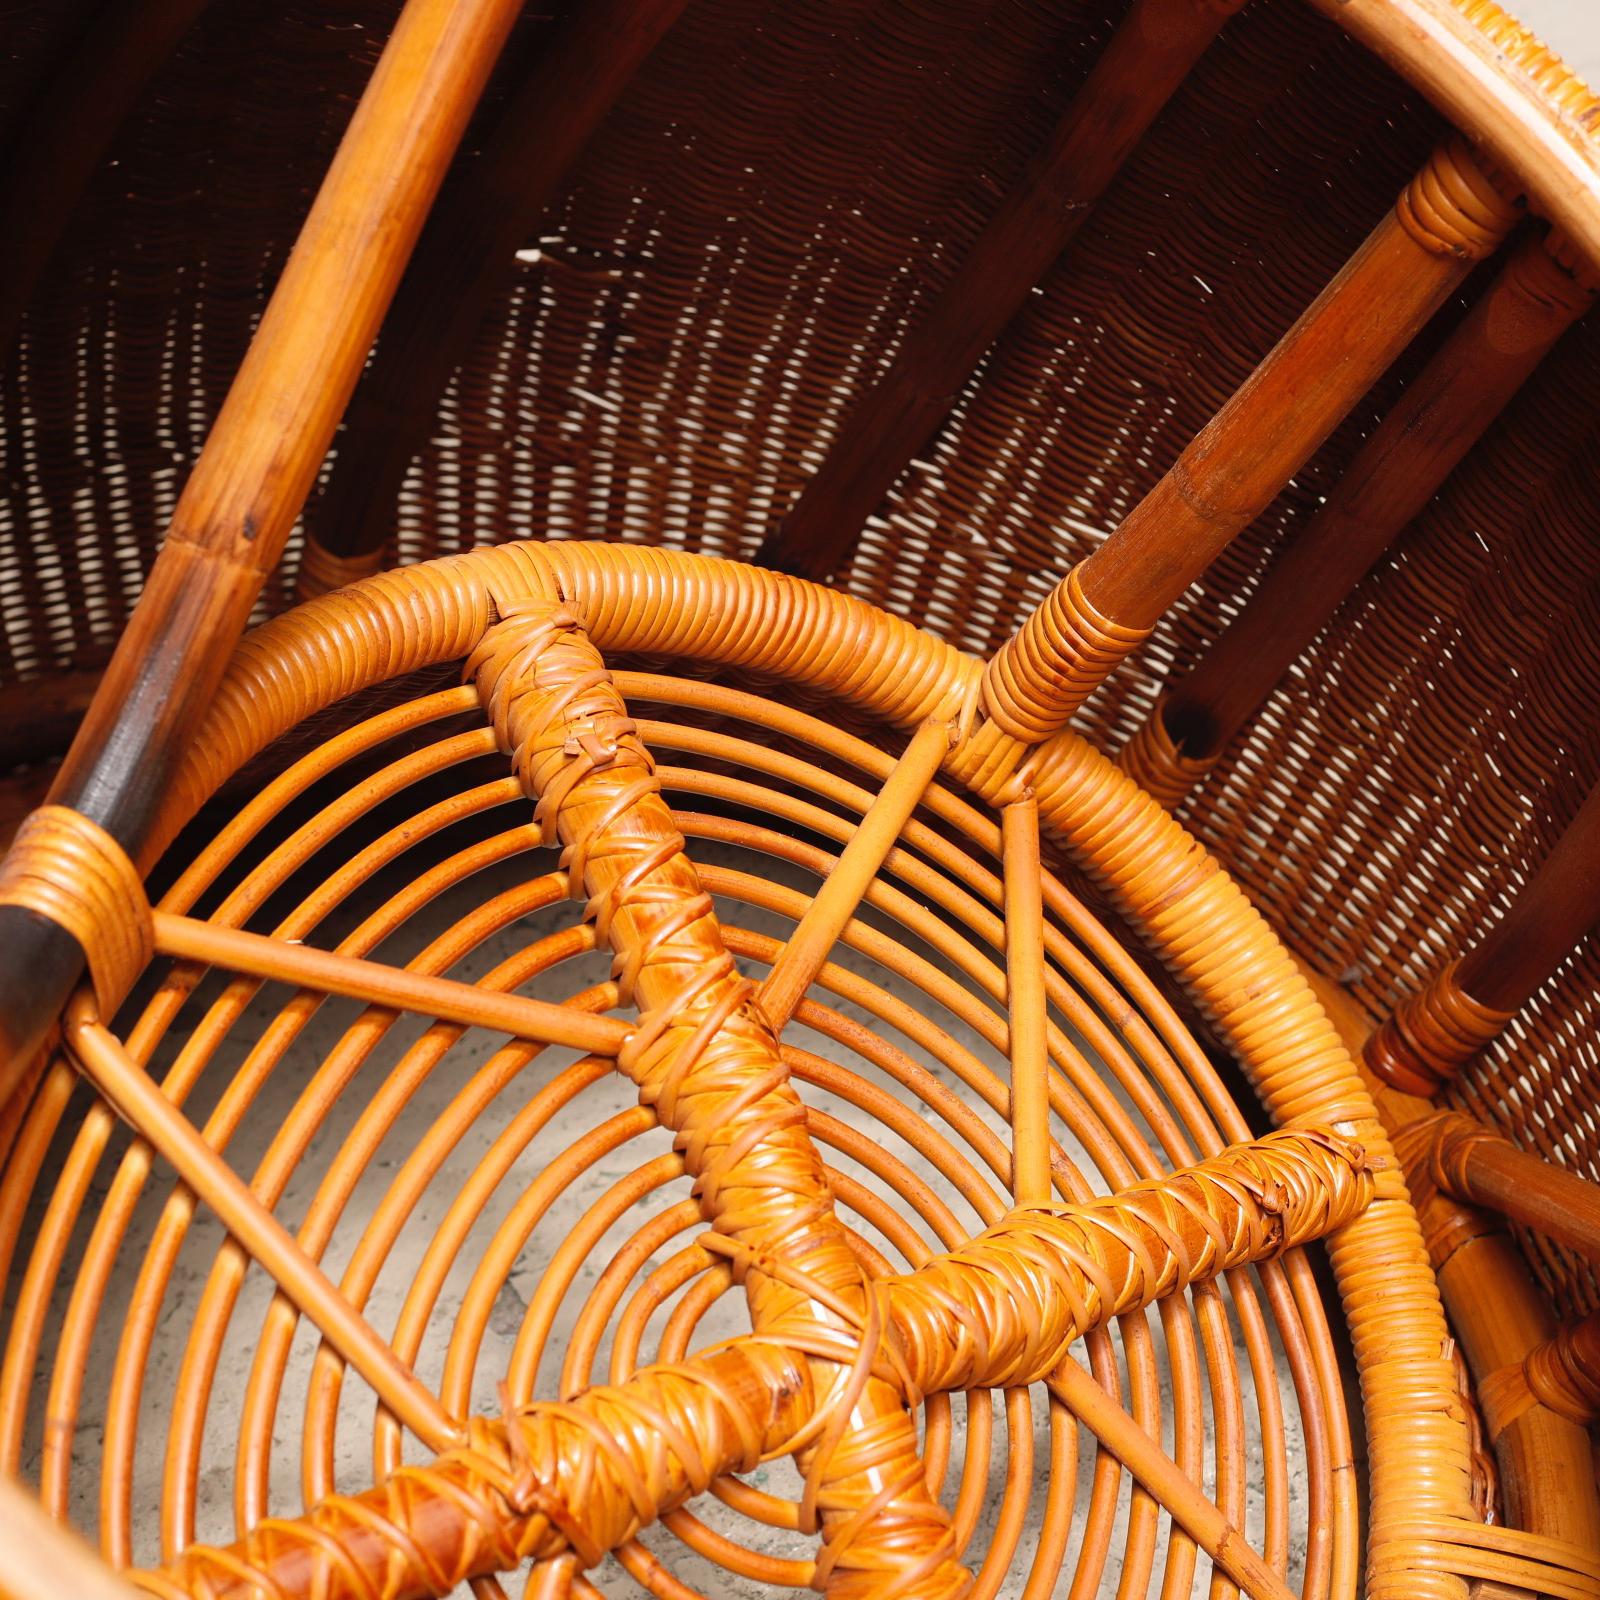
(1441, 414)
(1451, 215)
(380, 985)
(139, 1100)
(1435, 1032)
(465, 257)
(792, 973)
(251, 480)
(1190, 1508)
(1147, 58)
(1482, 1167)
(1026, 1002)
(45, 1560)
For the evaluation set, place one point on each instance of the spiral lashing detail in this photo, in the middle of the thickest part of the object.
(547, 1479)
(69, 869)
(1454, 206)
(1564, 1372)
(1154, 762)
(1432, 1034)
(1003, 1309)
(707, 1063)
(1041, 675)
(1434, 1149)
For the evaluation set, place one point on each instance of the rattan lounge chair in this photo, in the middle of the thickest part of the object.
(1028, 579)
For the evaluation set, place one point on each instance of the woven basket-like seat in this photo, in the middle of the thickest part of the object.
(897, 891)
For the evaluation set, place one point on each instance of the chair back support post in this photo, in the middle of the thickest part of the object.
(1146, 60)
(1451, 215)
(258, 464)
(1541, 291)
(465, 257)
(1435, 1032)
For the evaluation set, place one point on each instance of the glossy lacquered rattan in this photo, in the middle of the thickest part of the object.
(735, 616)
(641, 370)
(935, 360)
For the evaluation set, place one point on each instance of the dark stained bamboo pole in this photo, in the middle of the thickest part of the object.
(1435, 1032)
(1472, 1163)
(258, 464)
(466, 255)
(1146, 60)
(1449, 216)
(1536, 297)
(73, 116)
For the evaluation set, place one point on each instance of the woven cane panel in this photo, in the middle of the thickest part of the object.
(739, 254)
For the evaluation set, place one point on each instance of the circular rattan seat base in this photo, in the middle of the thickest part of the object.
(511, 1222)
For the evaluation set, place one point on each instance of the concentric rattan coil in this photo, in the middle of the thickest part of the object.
(945, 901)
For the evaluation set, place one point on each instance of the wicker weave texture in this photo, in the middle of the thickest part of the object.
(739, 254)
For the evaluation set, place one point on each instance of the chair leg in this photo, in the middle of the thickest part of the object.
(253, 475)
(1434, 1033)
(1438, 419)
(465, 257)
(1451, 215)
(1147, 59)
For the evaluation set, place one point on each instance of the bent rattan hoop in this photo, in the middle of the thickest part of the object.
(583, 1474)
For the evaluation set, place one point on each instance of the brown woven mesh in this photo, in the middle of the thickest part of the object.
(737, 256)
